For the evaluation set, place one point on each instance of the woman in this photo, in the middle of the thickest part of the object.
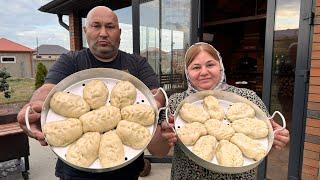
(204, 71)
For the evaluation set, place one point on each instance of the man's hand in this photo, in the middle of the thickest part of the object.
(34, 120)
(167, 131)
(281, 138)
(35, 104)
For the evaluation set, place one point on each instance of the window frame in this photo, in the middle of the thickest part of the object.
(9, 62)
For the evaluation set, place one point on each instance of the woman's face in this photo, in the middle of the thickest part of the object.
(204, 71)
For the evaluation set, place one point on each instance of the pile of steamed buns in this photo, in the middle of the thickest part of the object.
(94, 129)
(210, 136)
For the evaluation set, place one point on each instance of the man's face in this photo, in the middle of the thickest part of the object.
(103, 34)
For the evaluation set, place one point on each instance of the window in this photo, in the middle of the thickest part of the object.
(8, 59)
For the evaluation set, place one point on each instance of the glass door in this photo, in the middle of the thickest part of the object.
(284, 55)
(149, 33)
(259, 50)
(125, 23)
(164, 36)
(287, 55)
(175, 38)
(301, 85)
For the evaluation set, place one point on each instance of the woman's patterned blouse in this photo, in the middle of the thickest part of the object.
(185, 168)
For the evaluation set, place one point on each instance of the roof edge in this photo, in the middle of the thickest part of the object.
(53, 4)
(17, 52)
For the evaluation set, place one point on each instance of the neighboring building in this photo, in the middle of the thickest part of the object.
(16, 58)
(271, 45)
(152, 54)
(47, 54)
(178, 61)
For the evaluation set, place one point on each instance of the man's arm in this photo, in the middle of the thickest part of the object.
(158, 145)
(41, 93)
(35, 103)
(163, 139)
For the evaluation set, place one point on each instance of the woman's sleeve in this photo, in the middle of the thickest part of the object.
(253, 97)
(174, 101)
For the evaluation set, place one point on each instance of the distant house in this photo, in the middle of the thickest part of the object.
(47, 54)
(152, 54)
(16, 58)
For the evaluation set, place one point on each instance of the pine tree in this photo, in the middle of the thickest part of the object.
(4, 86)
(41, 75)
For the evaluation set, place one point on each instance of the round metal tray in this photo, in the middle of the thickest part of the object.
(225, 100)
(75, 84)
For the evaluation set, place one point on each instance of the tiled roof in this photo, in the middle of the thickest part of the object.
(48, 49)
(10, 46)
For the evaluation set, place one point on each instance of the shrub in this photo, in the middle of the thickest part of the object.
(41, 75)
(4, 86)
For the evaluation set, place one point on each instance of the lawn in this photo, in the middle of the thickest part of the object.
(21, 90)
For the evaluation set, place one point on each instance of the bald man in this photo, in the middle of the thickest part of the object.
(103, 36)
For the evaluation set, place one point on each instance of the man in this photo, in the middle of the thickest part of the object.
(103, 36)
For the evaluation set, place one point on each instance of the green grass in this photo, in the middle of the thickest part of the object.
(21, 90)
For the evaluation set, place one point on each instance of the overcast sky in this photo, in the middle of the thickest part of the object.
(22, 22)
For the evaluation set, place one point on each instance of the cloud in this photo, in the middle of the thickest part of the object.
(287, 15)
(22, 22)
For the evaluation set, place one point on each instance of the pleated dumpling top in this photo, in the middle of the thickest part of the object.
(69, 105)
(95, 93)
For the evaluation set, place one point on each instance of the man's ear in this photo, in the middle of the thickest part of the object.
(84, 29)
(120, 30)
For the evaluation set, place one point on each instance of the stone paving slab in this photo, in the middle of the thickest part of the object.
(10, 167)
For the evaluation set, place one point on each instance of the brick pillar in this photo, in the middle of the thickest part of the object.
(311, 153)
(75, 32)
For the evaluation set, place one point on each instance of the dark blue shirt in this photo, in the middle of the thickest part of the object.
(73, 62)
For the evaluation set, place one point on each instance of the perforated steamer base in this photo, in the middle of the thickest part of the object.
(75, 83)
(225, 100)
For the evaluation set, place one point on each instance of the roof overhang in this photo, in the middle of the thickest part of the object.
(82, 7)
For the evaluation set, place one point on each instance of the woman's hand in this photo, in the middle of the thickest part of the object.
(281, 138)
(167, 131)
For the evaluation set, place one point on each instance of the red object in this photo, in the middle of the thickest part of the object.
(10, 46)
